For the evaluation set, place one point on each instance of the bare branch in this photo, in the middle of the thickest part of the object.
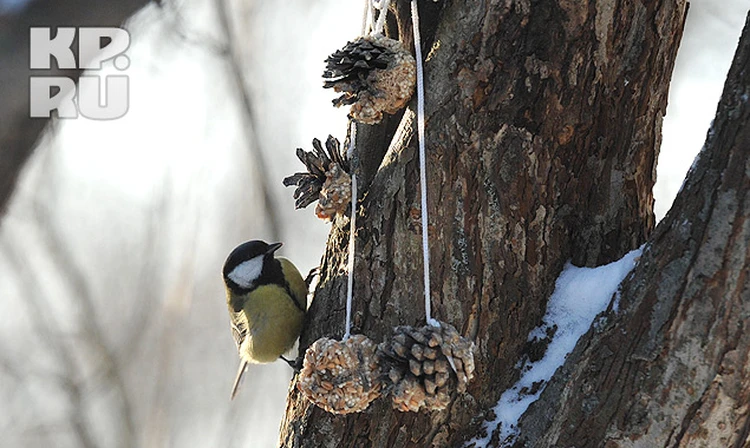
(234, 60)
(18, 132)
(50, 333)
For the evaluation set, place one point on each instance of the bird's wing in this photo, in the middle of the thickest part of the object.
(239, 327)
(295, 282)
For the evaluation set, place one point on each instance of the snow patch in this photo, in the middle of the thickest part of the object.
(580, 295)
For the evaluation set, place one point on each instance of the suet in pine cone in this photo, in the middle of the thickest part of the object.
(327, 179)
(425, 365)
(376, 74)
(341, 377)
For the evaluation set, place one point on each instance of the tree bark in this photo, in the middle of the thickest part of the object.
(543, 128)
(672, 368)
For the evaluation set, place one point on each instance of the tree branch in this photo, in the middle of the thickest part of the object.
(254, 145)
(18, 132)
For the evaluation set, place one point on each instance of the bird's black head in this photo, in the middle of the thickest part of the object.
(247, 264)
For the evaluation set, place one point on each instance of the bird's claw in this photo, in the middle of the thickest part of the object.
(295, 364)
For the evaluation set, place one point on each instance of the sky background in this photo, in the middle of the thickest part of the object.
(710, 38)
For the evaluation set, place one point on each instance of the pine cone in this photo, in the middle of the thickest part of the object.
(341, 377)
(335, 195)
(376, 74)
(327, 179)
(426, 365)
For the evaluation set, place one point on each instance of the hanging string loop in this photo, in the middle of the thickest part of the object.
(422, 165)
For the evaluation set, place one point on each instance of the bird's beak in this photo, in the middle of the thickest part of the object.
(273, 247)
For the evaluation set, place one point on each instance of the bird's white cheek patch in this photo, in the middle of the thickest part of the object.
(246, 273)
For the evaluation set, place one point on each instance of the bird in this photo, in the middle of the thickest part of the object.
(267, 301)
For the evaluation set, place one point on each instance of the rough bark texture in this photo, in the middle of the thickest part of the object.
(18, 132)
(543, 127)
(672, 369)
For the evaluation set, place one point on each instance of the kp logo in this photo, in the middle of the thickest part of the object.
(95, 101)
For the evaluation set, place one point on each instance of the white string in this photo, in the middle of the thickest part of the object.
(380, 24)
(422, 164)
(352, 228)
(365, 17)
(371, 21)
(382, 5)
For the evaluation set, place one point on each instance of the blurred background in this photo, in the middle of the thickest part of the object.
(113, 327)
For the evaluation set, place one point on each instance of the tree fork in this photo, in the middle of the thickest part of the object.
(672, 368)
(543, 127)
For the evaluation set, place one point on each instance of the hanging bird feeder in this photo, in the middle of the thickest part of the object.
(375, 75)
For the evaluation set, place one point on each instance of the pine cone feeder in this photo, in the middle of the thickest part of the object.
(376, 74)
(341, 377)
(335, 195)
(425, 365)
(327, 179)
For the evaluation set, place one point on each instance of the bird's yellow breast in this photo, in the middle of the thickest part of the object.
(274, 322)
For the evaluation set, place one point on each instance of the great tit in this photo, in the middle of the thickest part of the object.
(267, 300)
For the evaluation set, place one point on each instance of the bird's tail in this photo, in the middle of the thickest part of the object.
(238, 379)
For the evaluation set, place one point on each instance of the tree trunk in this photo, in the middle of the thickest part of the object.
(672, 367)
(543, 128)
